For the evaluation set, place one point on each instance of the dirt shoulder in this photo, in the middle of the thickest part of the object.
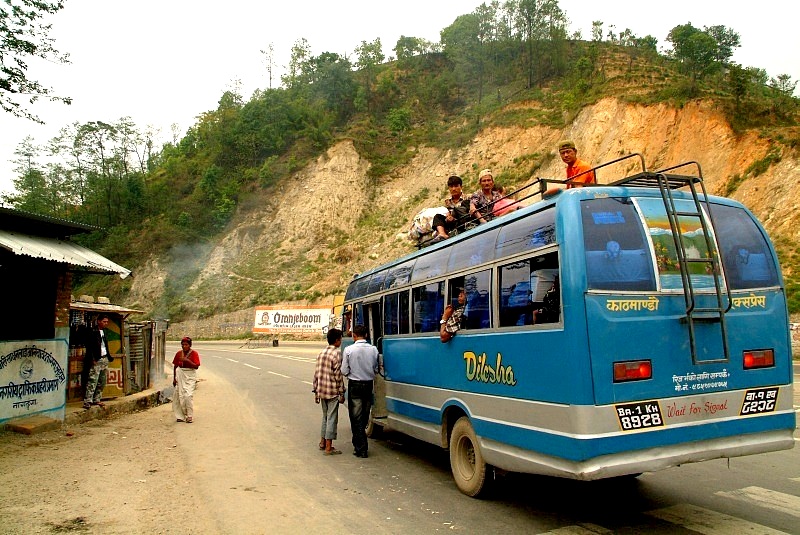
(108, 476)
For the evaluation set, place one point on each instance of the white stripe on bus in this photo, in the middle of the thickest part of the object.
(770, 499)
(709, 522)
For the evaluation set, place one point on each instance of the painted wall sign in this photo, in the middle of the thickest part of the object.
(32, 379)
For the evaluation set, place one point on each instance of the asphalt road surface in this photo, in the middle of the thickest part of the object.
(250, 464)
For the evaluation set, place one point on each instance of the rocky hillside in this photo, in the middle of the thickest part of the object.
(330, 220)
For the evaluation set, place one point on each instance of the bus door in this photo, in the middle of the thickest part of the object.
(374, 324)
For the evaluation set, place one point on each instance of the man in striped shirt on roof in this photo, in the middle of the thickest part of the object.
(329, 390)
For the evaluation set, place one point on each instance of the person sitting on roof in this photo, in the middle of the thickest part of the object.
(482, 201)
(578, 171)
(457, 217)
(506, 204)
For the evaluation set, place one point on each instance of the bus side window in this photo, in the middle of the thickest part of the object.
(395, 313)
(428, 307)
(476, 312)
(516, 305)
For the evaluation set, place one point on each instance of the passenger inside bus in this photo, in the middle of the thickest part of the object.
(550, 310)
(530, 292)
(453, 316)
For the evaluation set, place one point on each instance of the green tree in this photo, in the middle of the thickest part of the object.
(541, 25)
(24, 37)
(726, 40)
(407, 47)
(300, 53)
(369, 56)
(30, 184)
(739, 81)
(462, 47)
(695, 49)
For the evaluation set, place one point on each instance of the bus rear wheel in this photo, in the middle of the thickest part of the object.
(466, 460)
(374, 430)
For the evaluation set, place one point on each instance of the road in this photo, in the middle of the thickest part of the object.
(250, 464)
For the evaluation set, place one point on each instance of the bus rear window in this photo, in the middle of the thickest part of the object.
(617, 254)
(746, 256)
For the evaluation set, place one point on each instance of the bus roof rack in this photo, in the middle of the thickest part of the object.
(651, 180)
(660, 178)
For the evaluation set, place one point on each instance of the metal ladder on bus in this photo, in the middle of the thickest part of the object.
(722, 297)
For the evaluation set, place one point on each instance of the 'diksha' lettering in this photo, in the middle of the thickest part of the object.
(477, 369)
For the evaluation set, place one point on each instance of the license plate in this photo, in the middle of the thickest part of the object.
(759, 401)
(642, 415)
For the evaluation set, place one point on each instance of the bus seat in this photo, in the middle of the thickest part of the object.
(617, 265)
(752, 266)
(477, 311)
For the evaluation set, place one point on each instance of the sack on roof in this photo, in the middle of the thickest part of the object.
(422, 225)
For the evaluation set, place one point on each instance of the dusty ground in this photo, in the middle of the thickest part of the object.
(125, 475)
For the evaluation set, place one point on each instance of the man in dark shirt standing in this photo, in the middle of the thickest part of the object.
(360, 365)
(96, 362)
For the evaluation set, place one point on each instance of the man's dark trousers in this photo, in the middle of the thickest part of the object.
(359, 402)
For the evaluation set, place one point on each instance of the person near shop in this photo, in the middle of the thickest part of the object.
(328, 388)
(360, 365)
(184, 379)
(95, 363)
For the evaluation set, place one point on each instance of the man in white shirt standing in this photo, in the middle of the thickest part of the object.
(360, 365)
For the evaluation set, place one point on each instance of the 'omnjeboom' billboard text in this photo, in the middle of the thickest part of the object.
(291, 320)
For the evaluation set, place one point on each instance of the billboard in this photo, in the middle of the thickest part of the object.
(297, 319)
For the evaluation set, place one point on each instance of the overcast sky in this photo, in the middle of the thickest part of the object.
(164, 62)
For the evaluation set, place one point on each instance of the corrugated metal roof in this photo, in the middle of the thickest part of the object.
(59, 251)
(103, 307)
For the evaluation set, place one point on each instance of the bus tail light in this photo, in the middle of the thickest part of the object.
(761, 358)
(634, 370)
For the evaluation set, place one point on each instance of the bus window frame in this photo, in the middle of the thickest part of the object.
(523, 257)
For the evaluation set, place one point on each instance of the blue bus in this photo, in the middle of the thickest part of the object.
(608, 330)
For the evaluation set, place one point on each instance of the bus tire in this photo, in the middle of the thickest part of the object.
(374, 430)
(466, 461)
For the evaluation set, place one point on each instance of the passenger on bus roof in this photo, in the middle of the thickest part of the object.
(580, 170)
(482, 201)
(457, 217)
(506, 204)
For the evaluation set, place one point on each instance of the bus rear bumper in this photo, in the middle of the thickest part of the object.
(513, 459)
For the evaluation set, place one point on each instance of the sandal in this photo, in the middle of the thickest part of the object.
(189, 419)
(333, 451)
(322, 446)
(99, 404)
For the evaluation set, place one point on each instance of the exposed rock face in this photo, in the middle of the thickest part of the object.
(333, 193)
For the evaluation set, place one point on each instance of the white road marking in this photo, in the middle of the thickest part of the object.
(308, 383)
(236, 361)
(251, 366)
(280, 375)
(777, 501)
(583, 529)
(709, 522)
